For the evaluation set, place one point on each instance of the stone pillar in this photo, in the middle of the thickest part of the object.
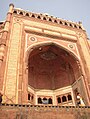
(73, 99)
(25, 87)
(4, 40)
(85, 63)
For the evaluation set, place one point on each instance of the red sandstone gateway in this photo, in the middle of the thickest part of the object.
(44, 60)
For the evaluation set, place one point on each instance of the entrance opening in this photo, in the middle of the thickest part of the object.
(51, 68)
(59, 100)
(69, 97)
(64, 99)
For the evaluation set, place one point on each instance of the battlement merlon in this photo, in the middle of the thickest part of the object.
(45, 17)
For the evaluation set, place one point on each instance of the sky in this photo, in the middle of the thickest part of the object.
(73, 10)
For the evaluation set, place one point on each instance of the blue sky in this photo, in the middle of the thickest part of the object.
(74, 10)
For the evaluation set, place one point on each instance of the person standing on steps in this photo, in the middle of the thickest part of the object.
(1, 97)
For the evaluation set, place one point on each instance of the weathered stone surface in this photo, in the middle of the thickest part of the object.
(43, 57)
(43, 112)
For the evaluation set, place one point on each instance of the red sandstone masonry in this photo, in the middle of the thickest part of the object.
(43, 112)
(23, 25)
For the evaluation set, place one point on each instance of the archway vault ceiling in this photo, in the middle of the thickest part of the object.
(51, 67)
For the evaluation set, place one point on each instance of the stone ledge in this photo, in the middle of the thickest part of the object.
(43, 106)
(19, 111)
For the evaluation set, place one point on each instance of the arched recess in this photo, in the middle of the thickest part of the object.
(41, 77)
(45, 43)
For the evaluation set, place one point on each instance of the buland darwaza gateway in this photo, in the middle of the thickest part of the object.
(43, 60)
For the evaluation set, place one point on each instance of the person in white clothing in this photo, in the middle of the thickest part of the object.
(80, 101)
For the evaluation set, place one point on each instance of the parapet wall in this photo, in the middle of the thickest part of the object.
(43, 112)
